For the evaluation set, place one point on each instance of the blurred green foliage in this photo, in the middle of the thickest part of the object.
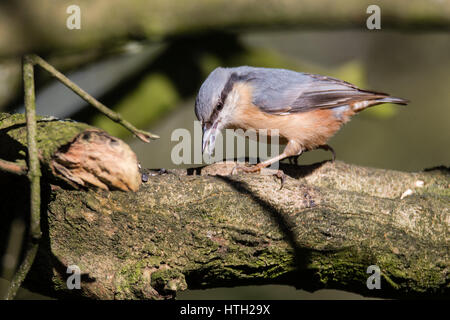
(156, 94)
(412, 66)
(152, 98)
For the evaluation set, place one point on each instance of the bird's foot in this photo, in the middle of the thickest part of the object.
(280, 175)
(328, 148)
(145, 174)
(257, 168)
(249, 169)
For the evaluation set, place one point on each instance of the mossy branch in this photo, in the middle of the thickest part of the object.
(201, 228)
(74, 166)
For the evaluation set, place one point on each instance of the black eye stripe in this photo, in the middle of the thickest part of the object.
(223, 96)
(214, 115)
(228, 86)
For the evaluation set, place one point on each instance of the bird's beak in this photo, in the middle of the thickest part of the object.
(209, 138)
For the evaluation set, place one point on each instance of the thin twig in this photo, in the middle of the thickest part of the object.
(34, 175)
(34, 170)
(13, 167)
(143, 135)
(20, 275)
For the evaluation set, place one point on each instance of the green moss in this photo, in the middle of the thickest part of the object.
(340, 268)
(51, 135)
(137, 279)
(150, 248)
(275, 263)
(437, 190)
(267, 264)
(59, 283)
(129, 278)
(168, 279)
(54, 135)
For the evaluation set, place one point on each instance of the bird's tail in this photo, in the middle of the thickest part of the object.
(361, 105)
(393, 100)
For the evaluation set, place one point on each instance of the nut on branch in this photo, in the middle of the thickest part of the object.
(95, 158)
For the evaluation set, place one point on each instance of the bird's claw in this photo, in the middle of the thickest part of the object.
(333, 158)
(280, 175)
(146, 174)
(256, 168)
(162, 171)
(245, 169)
(328, 148)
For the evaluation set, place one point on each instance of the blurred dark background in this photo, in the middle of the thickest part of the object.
(147, 60)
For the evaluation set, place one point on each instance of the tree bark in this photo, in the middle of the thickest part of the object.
(202, 228)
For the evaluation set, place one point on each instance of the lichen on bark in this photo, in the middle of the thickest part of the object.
(202, 228)
(193, 231)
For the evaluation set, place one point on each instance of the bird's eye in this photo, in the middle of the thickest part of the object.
(219, 106)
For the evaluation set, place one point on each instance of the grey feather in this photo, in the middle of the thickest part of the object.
(210, 93)
(280, 91)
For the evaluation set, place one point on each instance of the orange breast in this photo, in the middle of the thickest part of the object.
(309, 129)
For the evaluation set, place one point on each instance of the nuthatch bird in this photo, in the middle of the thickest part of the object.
(306, 109)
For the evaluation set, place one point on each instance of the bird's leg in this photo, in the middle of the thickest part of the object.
(292, 149)
(261, 165)
(256, 168)
(328, 148)
(293, 159)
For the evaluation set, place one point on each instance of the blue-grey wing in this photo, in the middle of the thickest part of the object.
(280, 91)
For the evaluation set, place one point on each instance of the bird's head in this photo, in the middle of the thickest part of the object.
(212, 106)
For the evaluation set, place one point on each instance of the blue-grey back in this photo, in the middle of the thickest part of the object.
(281, 91)
(284, 91)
